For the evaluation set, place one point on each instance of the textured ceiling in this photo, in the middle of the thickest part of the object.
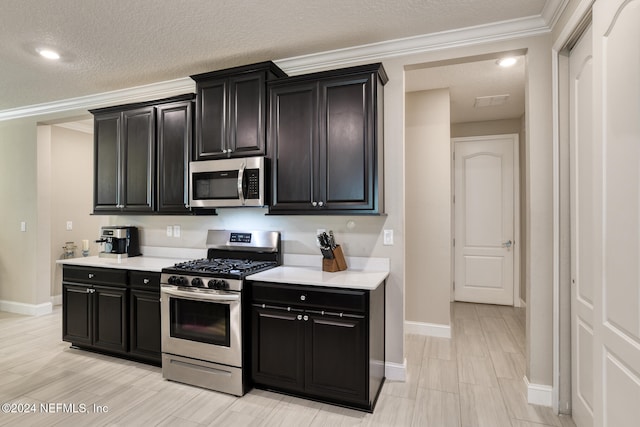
(117, 44)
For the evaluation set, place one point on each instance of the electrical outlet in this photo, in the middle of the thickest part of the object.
(176, 231)
(69, 225)
(169, 231)
(388, 237)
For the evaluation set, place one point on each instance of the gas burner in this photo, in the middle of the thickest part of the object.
(233, 267)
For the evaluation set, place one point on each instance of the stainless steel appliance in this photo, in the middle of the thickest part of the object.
(227, 183)
(119, 241)
(201, 309)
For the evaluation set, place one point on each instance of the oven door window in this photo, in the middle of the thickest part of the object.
(206, 322)
(215, 185)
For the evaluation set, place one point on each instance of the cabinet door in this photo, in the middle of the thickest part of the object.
(107, 182)
(293, 146)
(174, 142)
(139, 160)
(76, 314)
(211, 119)
(145, 324)
(347, 153)
(337, 358)
(247, 103)
(110, 318)
(277, 348)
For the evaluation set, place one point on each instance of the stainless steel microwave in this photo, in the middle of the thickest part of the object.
(227, 182)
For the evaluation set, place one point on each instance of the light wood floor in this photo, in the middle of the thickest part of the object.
(474, 379)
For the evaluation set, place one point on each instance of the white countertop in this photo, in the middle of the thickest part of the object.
(143, 263)
(314, 276)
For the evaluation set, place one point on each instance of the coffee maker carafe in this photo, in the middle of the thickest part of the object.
(119, 241)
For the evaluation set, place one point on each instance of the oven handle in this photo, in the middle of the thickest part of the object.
(223, 298)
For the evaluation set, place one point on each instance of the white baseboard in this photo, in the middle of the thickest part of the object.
(539, 394)
(523, 303)
(28, 309)
(396, 371)
(56, 299)
(427, 329)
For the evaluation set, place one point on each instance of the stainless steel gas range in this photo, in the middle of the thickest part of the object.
(201, 309)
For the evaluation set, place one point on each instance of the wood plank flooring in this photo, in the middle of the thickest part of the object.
(474, 379)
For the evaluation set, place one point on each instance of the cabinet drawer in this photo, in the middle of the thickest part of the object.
(144, 280)
(95, 275)
(327, 299)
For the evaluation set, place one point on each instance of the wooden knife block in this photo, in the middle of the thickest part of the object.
(337, 263)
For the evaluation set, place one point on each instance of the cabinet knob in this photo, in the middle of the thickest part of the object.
(299, 316)
(303, 297)
(321, 204)
(305, 317)
(314, 204)
(145, 281)
(91, 275)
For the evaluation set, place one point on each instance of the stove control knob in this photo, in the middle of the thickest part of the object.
(211, 284)
(222, 284)
(182, 281)
(173, 280)
(197, 282)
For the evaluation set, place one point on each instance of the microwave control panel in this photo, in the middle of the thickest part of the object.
(253, 183)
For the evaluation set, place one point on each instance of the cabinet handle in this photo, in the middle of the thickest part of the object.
(321, 204)
(299, 316)
(305, 317)
(314, 204)
(145, 281)
(303, 297)
(91, 275)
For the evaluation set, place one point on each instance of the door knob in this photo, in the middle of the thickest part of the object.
(507, 244)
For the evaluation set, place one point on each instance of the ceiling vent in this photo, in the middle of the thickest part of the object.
(490, 101)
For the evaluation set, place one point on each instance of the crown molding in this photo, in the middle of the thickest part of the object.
(122, 96)
(505, 30)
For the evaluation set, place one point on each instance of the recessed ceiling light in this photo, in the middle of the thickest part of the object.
(49, 54)
(509, 61)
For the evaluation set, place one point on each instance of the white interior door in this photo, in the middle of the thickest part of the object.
(616, 309)
(484, 209)
(583, 228)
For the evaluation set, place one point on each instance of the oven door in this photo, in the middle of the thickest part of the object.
(202, 325)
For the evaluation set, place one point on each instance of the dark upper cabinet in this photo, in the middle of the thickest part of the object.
(141, 155)
(231, 111)
(174, 136)
(326, 142)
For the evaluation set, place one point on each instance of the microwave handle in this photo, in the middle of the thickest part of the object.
(240, 182)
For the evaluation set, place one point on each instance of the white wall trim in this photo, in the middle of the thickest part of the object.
(505, 30)
(135, 94)
(523, 303)
(396, 371)
(427, 329)
(56, 300)
(28, 309)
(538, 394)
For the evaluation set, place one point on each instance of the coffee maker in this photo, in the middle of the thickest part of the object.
(119, 241)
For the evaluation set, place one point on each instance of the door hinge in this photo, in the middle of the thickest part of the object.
(454, 242)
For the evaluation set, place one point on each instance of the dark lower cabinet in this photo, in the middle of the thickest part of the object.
(321, 343)
(95, 316)
(112, 310)
(110, 318)
(145, 325)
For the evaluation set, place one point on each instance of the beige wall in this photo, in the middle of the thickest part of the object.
(428, 207)
(17, 204)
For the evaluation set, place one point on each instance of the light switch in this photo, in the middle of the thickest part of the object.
(23, 226)
(176, 231)
(388, 237)
(69, 225)
(169, 231)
